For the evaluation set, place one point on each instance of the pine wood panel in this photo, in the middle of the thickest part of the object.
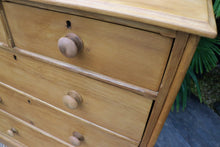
(175, 58)
(27, 134)
(2, 31)
(139, 25)
(134, 56)
(179, 15)
(94, 75)
(5, 34)
(176, 84)
(9, 142)
(103, 104)
(57, 122)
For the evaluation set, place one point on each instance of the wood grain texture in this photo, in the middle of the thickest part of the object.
(2, 30)
(134, 56)
(125, 22)
(27, 134)
(9, 141)
(175, 57)
(172, 14)
(176, 84)
(102, 104)
(56, 121)
(5, 33)
(121, 84)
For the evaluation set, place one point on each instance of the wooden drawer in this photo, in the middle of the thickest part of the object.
(27, 134)
(57, 122)
(131, 55)
(9, 141)
(108, 106)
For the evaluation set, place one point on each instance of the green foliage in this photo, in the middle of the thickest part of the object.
(217, 8)
(204, 60)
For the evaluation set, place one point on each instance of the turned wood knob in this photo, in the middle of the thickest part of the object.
(12, 132)
(76, 139)
(70, 45)
(72, 99)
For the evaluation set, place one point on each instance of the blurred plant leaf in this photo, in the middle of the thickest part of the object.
(205, 56)
(216, 8)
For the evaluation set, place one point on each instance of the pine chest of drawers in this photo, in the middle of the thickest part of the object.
(98, 73)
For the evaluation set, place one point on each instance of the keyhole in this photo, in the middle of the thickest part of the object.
(68, 24)
(15, 57)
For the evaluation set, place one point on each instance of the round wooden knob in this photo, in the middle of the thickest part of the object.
(76, 139)
(72, 100)
(70, 45)
(12, 132)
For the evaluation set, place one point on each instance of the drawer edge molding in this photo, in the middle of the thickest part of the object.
(164, 19)
(136, 60)
(176, 84)
(10, 142)
(60, 64)
(67, 113)
(34, 128)
(169, 75)
(130, 23)
(8, 37)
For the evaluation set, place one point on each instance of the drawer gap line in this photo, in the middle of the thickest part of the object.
(135, 89)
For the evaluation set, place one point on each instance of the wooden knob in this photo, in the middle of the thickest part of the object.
(76, 139)
(70, 45)
(12, 132)
(0, 100)
(72, 100)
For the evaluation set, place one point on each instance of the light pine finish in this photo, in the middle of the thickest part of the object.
(180, 74)
(175, 57)
(5, 34)
(9, 141)
(102, 104)
(134, 56)
(27, 134)
(172, 14)
(58, 122)
(2, 30)
(125, 22)
(133, 53)
(136, 89)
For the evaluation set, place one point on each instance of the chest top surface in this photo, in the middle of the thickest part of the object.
(191, 16)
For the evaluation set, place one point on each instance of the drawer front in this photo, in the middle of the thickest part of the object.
(9, 142)
(106, 105)
(56, 122)
(27, 134)
(131, 55)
